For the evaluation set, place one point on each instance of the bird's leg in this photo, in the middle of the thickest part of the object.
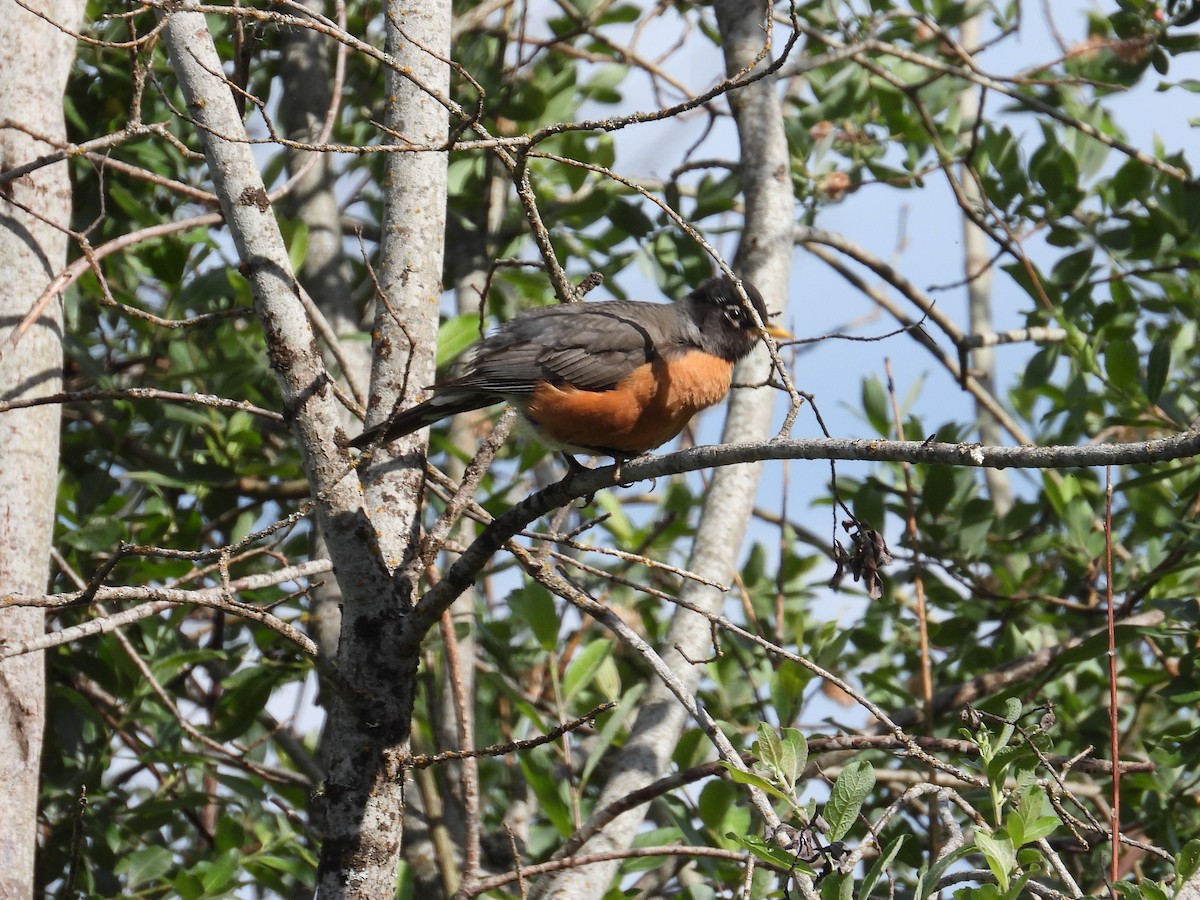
(574, 466)
(620, 461)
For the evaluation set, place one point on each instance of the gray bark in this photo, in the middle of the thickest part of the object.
(979, 291)
(365, 792)
(306, 75)
(36, 58)
(362, 795)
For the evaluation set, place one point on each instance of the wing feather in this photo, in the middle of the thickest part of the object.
(591, 346)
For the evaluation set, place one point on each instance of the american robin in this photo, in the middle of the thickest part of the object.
(615, 378)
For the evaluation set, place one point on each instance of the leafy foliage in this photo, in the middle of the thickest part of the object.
(182, 751)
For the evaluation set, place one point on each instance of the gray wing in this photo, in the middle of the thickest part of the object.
(592, 346)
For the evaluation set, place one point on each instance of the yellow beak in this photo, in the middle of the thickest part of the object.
(777, 331)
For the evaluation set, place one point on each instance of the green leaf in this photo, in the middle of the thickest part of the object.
(620, 14)
(788, 682)
(1078, 518)
(618, 522)
(584, 666)
(602, 87)
(939, 488)
(881, 863)
(1004, 760)
(549, 789)
(929, 877)
(769, 745)
(535, 606)
(720, 810)
(1032, 820)
(1158, 366)
(144, 866)
(464, 172)
(608, 680)
(715, 196)
(785, 756)
(297, 247)
(1187, 862)
(244, 698)
(983, 892)
(1122, 363)
(838, 886)
(219, 873)
(1042, 826)
(794, 756)
(1184, 687)
(876, 406)
(187, 886)
(1073, 268)
(628, 220)
(455, 335)
(613, 722)
(771, 853)
(243, 526)
(96, 537)
(743, 777)
(1012, 714)
(1000, 854)
(1058, 492)
(845, 800)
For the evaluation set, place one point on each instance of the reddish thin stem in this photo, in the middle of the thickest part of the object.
(1114, 733)
(919, 588)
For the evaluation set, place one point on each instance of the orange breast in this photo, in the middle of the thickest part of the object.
(643, 412)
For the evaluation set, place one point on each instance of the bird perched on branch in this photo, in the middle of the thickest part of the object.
(615, 378)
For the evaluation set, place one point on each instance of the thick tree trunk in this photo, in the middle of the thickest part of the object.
(364, 820)
(362, 827)
(980, 272)
(34, 210)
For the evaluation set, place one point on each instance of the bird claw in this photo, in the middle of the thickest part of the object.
(574, 467)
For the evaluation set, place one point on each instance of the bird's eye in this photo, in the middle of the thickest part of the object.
(734, 312)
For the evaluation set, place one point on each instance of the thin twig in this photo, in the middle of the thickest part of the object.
(132, 393)
(1113, 718)
(918, 580)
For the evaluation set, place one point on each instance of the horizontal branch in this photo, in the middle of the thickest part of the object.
(423, 761)
(1035, 335)
(154, 600)
(134, 393)
(462, 574)
(67, 151)
(77, 267)
(498, 881)
(1180, 446)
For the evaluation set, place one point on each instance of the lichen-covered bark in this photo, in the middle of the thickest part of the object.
(362, 797)
(36, 58)
(364, 790)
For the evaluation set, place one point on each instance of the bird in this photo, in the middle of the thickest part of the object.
(613, 378)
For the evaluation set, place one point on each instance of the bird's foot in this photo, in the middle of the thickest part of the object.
(574, 467)
(620, 462)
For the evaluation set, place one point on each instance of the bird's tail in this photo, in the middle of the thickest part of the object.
(423, 414)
